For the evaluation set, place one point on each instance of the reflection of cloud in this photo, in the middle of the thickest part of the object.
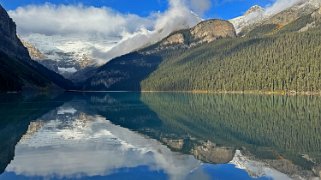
(66, 110)
(255, 168)
(93, 146)
(67, 143)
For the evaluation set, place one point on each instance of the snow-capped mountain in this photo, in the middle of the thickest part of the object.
(254, 14)
(65, 142)
(72, 53)
(278, 14)
(66, 55)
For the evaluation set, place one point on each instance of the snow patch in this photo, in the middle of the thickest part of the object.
(67, 70)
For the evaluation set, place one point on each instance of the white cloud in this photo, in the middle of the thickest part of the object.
(200, 7)
(92, 25)
(178, 16)
(92, 146)
(49, 19)
(280, 5)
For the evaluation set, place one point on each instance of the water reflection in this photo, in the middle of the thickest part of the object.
(91, 146)
(283, 132)
(16, 112)
(163, 136)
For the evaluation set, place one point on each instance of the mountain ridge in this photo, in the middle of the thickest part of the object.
(258, 16)
(250, 62)
(116, 75)
(204, 32)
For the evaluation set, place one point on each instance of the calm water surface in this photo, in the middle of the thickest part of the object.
(159, 136)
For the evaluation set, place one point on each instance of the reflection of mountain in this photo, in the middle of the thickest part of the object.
(124, 109)
(191, 123)
(270, 127)
(129, 130)
(91, 146)
(16, 112)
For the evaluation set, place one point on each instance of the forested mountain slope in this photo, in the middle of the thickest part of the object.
(248, 122)
(128, 71)
(284, 61)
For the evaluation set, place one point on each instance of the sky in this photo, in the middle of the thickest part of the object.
(224, 9)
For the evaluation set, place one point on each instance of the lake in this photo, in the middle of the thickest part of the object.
(159, 136)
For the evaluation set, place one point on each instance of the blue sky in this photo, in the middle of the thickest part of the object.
(224, 9)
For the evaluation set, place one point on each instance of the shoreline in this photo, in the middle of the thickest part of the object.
(252, 92)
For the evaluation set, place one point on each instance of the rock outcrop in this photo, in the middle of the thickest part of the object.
(212, 30)
(175, 144)
(205, 32)
(211, 153)
(34, 53)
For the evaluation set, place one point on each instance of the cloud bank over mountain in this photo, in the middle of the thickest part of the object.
(280, 5)
(64, 20)
(109, 28)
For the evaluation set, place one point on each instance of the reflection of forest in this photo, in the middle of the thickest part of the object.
(271, 127)
(281, 131)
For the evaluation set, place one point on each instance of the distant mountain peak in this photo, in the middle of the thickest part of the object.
(254, 9)
(256, 15)
(251, 16)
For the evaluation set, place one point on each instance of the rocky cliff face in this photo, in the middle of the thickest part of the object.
(33, 51)
(10, 43)
(212, 30)
(204, 32)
